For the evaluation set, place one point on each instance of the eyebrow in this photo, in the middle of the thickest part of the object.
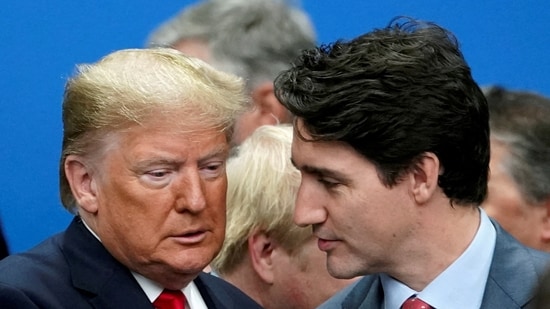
(320, 171)
(216, 152)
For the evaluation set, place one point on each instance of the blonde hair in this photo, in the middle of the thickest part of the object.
(134, 86)
(262, 187)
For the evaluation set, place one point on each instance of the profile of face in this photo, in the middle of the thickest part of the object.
(506, 204)
(157, 196)
(360, 223)
(302, 278)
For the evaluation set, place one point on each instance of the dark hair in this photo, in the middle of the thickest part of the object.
(394, 94)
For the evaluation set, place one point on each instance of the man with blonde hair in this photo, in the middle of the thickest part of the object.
(145, 140)
(265, 254)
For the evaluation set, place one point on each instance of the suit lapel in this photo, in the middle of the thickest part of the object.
(512, 275)
(218, 298)
(367, 294)
(101, 278)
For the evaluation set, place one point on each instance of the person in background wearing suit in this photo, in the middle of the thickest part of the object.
(392, 141)
(265, 254)
(254, 39)
(145, 140)
(519, 180)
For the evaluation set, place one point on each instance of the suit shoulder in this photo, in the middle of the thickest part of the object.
(42, 263)
(219, 288)
(352, 294)
(540, 259)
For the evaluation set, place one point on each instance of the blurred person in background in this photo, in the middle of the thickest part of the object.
(254, 39)
(519, 181)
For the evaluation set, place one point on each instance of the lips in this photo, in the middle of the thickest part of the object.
(326, 244)
(191, 237)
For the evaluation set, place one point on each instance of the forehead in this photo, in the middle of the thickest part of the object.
(327, 157)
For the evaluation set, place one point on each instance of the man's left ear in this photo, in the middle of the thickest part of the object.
(424, 177)
(271, 111)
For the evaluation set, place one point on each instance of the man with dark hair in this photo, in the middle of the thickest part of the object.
(392, 140)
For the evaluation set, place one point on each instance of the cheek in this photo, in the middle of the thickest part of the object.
(215, 194)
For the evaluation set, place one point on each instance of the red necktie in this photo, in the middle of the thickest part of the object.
(415, 303)
(170, 299)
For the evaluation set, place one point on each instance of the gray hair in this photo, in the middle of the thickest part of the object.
(254, 39)
(521, 121)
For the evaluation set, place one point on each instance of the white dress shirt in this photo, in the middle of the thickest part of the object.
(153, 290)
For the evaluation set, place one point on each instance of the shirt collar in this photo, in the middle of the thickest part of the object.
(153, 290)
(461, 285)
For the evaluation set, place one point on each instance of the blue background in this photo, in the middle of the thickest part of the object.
(505, 42)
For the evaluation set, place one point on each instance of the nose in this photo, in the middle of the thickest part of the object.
(190, 193)
(309, 207)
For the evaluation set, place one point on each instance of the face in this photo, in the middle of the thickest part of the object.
(506, 205)
(303, 277)
(360, 223)
(161, 198)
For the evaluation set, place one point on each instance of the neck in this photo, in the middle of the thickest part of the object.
(442, 234)
(248, 281)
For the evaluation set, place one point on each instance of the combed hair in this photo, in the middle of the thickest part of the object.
(261, 193)
(394, 94)
(254, 39)
(131, 87)
(521, 121)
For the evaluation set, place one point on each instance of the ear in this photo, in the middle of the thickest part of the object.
(424, 178)
(545, 234)
(260, 249)
(271, 111)
(82, 183)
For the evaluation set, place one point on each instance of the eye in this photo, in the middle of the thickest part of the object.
(157, 176)
(213, 169)
(328, 183)
(157, 173)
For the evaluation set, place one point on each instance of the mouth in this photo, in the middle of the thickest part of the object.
(326, 244)
(190, 238)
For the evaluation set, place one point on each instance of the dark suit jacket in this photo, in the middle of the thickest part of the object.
(73, 270)
(514, 274)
